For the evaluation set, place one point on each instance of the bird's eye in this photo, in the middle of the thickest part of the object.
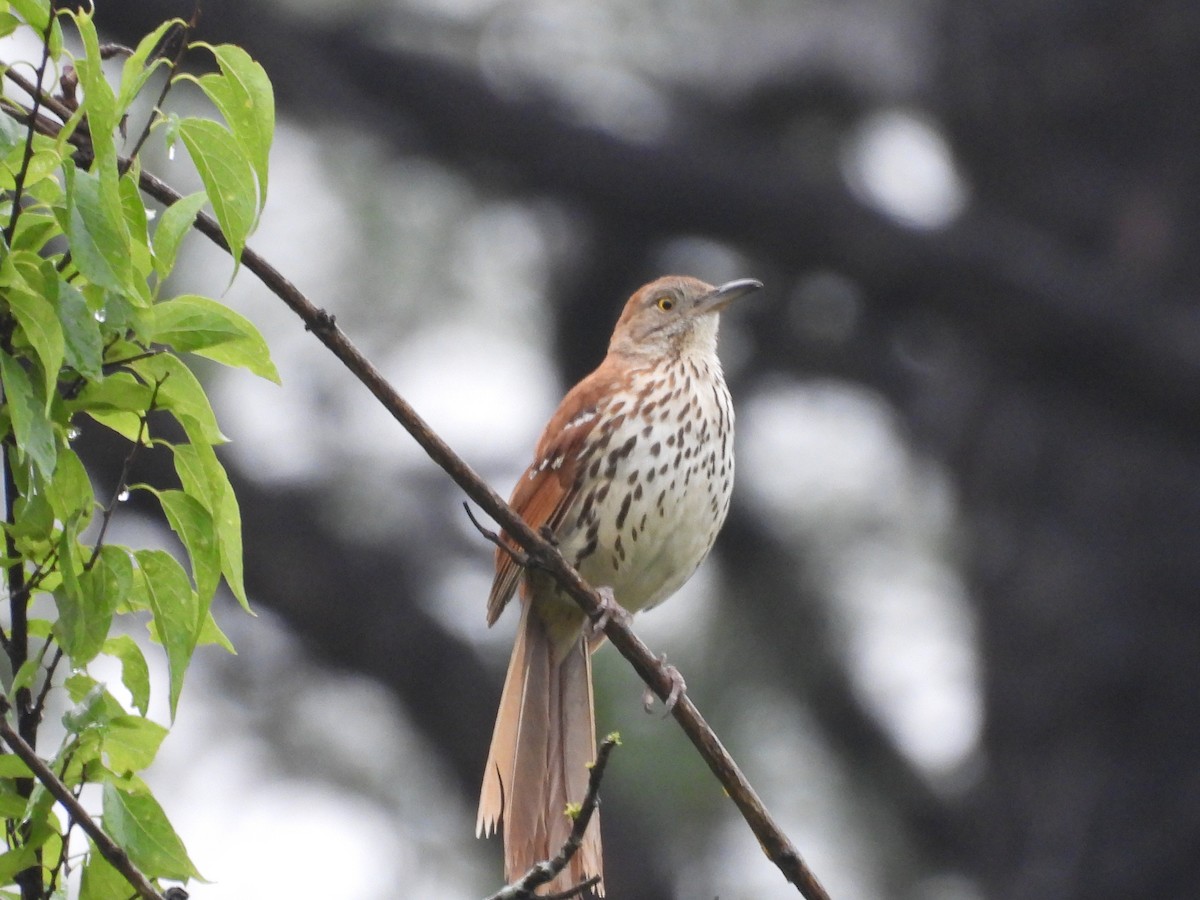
(666, 304)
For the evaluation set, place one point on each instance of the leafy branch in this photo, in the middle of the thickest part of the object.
(87, 332)
(117, 857)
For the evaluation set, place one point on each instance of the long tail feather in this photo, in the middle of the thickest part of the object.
(542, 745)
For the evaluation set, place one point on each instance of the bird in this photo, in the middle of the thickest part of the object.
(631, 479)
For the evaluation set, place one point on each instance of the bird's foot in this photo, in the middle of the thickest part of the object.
(678, 688)
(609, 610)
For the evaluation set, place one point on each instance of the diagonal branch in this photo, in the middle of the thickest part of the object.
(108, 848)
(541, 552)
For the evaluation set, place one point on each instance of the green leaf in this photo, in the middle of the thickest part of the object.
(88, 600)
(15, 861)
(35, 229)
(242, 93)
(31, 426)
(120, 391)
(137, 223)
(100, 880)
(135, 674)
(180, 393)
(42, 174)
(178, 616)
(228, 178)
(118, 572)
(203, 476)
(117, 402)
(194, 324)
(12, 135)
(100, 102)
(81, 627)
(12, 804)
(138, 824)
(27, 674)
(94, 705)
(33, 518)
(12, 766)
(175, 222)
(117, 311)
(211, 633)
(35, 12)
(39, 321)
(193, 523)
(70, 491)
(96, 230)
(83, 347)
(135, 73)
(131, 742)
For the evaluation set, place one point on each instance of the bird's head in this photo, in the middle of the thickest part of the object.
(674, 316)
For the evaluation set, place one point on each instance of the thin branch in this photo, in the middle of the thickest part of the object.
(117, 857)
(576, 891)
(540, 551)
(545, 872)
(521, 559)
(39, 705)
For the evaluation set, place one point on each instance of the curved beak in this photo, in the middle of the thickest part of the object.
(721, 297)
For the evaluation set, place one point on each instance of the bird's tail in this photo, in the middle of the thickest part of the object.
(542, 747)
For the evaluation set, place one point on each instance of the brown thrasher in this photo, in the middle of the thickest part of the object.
(632, 477)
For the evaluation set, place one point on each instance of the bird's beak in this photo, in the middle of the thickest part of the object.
(721, 297)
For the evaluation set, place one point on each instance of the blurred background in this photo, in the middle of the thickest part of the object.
(951, 629)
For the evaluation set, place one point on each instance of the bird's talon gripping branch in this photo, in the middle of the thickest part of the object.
(324, 323)
(610, 610)
(678, 689)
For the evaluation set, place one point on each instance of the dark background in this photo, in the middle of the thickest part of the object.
(1038, 350)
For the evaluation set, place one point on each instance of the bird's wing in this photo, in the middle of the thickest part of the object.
(548, 488)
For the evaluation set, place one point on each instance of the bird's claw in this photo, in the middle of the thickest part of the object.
(678, 688)
(610, 609)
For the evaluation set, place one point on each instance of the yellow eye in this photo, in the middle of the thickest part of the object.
(666, 304)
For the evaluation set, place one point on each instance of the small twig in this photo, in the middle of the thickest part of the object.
(576, 891)
(523, 560)
(109, 367)
(117, 857)
(39, 705)
(545, 872)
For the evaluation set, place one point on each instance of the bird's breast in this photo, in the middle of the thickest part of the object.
(655, 479)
